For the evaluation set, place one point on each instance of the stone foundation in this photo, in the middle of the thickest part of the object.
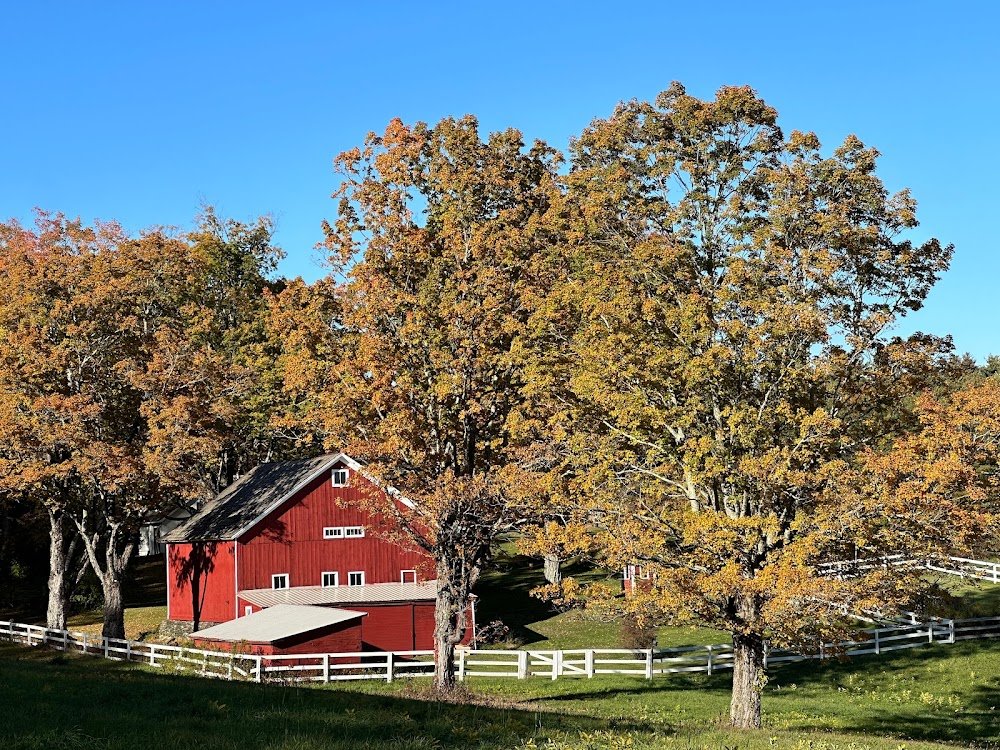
(181, 628)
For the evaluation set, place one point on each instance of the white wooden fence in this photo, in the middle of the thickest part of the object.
(387, 666)
(962, 567)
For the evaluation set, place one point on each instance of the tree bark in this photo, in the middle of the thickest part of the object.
(552, 568)
(449, 622)
(748, 673)
(114, 607)
(55, 617)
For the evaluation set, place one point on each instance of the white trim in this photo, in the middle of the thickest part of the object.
(359, 532)
(236, 576)
(335, 532)
(402, 576)
(166, 559)
(288, 582)
(356, 573)
(336, 579)
(333, 476)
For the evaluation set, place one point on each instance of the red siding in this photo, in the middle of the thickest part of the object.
(201, 579)
(291, 541)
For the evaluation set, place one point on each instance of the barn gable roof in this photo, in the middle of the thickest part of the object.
(252, 497)
(277, 623)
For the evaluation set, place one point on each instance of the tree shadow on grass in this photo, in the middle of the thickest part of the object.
(48, 699)
(505, 595)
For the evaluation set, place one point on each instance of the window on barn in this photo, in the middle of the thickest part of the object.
(333, 532)
(247, 611)
(356, 578)
(339, 477)
(407, 576)
(331, 579)
(279, 581)
(354, 531)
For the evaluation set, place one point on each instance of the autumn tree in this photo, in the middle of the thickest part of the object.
(719, 351)
(63, 351)
(124, 390)
(438, 232)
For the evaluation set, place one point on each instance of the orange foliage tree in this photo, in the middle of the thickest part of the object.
(717, 354)
(434, 309)
(126, 379)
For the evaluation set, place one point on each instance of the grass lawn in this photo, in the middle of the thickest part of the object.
(934, 697)
(505, 595)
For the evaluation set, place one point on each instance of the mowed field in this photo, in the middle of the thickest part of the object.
(938, 696)
(934, 697)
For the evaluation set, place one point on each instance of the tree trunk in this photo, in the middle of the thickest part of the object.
(450, 608)
(748, 673)
(114, 607)
(444, 637)
(55, 617)
(552, 567)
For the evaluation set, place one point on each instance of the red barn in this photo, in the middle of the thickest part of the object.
(297, 533)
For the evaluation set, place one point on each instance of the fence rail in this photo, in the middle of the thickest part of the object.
(564, 663)
(963, 567)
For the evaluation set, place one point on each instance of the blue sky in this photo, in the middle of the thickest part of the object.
(141, 111)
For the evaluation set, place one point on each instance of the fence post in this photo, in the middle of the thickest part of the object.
(65, 641)
(649, 663)
(152, 654)
(260, 668)
(995, 573)
(105, 642)
(128, 650)
(85, 643)
(522, 665)
(951, 631)
(767, 652)
(388, 666)
(326, 668)
(878, 647)
(930, 631)
(588, 659)
(711, 660)
(822, 655)
(556, 664)
(461, 665)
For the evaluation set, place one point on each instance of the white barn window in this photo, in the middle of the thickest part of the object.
(354, 531)
(333, 532)
(339, 477)
(279, 581)
(356, 578)
(407, 576)
(331, 579)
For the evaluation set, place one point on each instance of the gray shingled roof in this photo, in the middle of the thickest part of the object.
(372, 593)
(276, 623)
(257, 493)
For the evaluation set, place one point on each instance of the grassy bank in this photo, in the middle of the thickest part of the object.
(942, 695)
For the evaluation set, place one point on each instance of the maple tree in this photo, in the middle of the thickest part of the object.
(718, 352)
(433, 309)
(123, 380)
(72, 330)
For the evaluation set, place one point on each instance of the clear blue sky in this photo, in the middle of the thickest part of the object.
(140, 111)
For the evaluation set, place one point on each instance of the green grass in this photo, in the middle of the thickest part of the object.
(918, 699)
(505, 595)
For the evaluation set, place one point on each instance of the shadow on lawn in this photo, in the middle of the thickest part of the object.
(505, 595)
(911, 694)
(50, 700)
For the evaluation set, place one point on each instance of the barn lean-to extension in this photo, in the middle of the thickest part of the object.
(296, 533)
